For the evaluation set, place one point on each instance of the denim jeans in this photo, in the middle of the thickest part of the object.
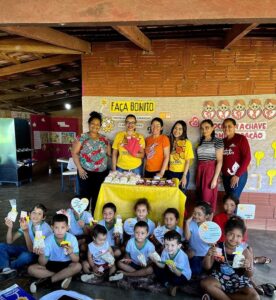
(138, 170)
(22, 257)
(236, 191)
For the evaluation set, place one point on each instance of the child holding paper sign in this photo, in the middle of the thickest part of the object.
(231, 266)
(114, 227)
(60, 259)
(230, 203)
(23, 254)
(100, 258)
(201, 214)
(173, 269)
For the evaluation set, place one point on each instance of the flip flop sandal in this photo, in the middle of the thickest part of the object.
(259, 290)
(268, 289)
(262, 260)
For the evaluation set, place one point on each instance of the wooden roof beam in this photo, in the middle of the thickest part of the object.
(38, 64)
(32, 46)
(53, 89)
(55, 103)
(50, 36)
(135, 12)
(134, 34)
(34, 80)
(46, 99)
(9, 58)
(237, 32)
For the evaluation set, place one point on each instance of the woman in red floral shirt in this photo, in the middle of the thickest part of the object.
(90, 152)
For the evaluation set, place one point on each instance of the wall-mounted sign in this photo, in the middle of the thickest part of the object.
(132, 106)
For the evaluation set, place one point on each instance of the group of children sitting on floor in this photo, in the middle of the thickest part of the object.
(172, 255)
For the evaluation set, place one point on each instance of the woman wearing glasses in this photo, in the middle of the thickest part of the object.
(128, 148)
(90, 153)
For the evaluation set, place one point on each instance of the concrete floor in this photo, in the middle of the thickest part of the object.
(47, 190)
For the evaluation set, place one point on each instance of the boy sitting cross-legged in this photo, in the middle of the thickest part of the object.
(100, 258)
(60, 260)
(138, 250)
(174, 269)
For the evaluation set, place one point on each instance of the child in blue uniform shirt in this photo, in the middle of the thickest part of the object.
(201, 214)
(95, 262)
(171, 218)
(109, 221)
(142, 209)
(24, 255)
(138, 250)
(80, 227)
(174, 269)
(60, 260)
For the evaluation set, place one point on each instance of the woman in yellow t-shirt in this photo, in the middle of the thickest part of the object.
(128, 148)
(181, 154)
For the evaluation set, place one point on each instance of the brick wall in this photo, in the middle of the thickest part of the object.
(187, 68)
(181, 68)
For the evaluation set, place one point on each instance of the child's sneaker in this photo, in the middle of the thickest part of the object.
(206, 297)
(43, 282)
(66, 282)
(7, 273)
(117, 277)
(172, 291)
(87, 277)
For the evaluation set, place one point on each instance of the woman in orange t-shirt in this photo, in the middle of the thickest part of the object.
(157, 150)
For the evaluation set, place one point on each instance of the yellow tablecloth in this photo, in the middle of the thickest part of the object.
(125, 196)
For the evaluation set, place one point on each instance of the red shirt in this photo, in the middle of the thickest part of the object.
(236, 155)
(221, 220)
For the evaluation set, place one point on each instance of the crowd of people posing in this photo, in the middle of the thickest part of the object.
(164, 156)
(75, 243)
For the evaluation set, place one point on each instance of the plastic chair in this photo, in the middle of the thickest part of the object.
(72, 173)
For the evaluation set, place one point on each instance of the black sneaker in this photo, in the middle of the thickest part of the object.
(7, 273)
(43, 282)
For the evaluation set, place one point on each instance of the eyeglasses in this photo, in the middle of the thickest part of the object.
(130, 123)
(95, 125)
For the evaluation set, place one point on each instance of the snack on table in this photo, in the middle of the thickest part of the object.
(116, 177)
(169, 182)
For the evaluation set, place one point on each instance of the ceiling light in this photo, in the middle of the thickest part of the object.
(68, 106)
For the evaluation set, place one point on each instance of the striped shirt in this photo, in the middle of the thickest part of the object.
(207, 150)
